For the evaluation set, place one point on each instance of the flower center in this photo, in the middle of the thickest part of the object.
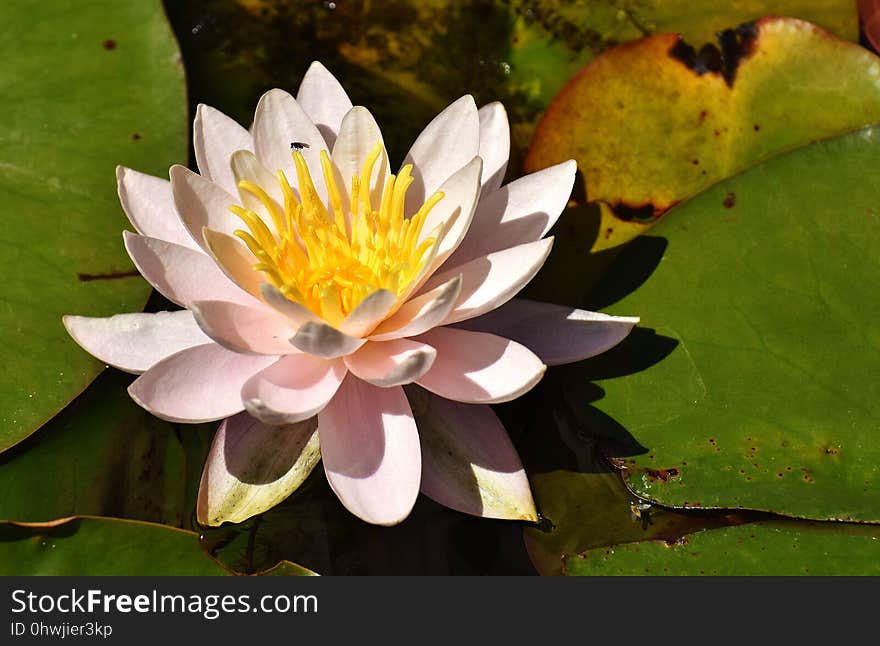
(331, 260)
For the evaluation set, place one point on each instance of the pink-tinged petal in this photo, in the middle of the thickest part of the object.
(199, 384)
(479, 368)
(252, 467)
(556, 333)
(202, 203)
(391, 363)
(491, 281)
(494, 144)
(235, 261)
(247, 330)
(215, 138)
(295, 388)
(468, 461)
(246, 166)
(324, 101)
(135, 342)
(180, 274)
(421, 313)
(149, 205)
(523, 211)
(370, 449)
(358, 135)
(446, 144)
(325, 341)
(369, 313)
(455, 211)
(280, 121)
(297, 314)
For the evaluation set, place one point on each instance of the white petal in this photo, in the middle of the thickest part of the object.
(369, 313)
(469, 463)
(556, 333)
(494, 144)
(247, 330)
(370, 449)
(215, 138)
(295, 388)
(358, 135)
(199, 384)
(135, 342)
(235, 260)
(491, 281)
(391, 363)
(523, 211)
(325, 341)
(280, 121)
(421, 313)
(451, 217)
(252, 467)
(180, 274)
(149, 205)
(202, 203)
(297, 314)
(455, 211)
(479, 368)
(446, 144)
(246, 166)
(324, 101)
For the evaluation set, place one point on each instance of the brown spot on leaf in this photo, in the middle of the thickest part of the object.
(663, 475)
(136, 137)
(734, 45)
(730, 200)
(109, 44)
(681, 540)
(635, 213)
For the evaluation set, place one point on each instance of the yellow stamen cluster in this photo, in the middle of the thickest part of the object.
(330, 260)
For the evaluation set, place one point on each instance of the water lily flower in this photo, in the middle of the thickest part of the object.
(315, 285)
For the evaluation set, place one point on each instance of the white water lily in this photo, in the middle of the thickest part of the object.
(316, 285)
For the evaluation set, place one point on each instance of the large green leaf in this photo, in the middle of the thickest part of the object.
(85, 86)
(107, 547)
(652, 124)
(105, 456)
(765, 302)
(780, 548)
(581, 498)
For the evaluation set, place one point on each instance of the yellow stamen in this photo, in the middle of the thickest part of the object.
(326, 259)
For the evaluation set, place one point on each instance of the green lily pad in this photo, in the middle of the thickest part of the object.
(106, 456)
(91, 546)
(773, 548)
(85, 87)
(754, 378)
(582, 500)
(655, 123)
